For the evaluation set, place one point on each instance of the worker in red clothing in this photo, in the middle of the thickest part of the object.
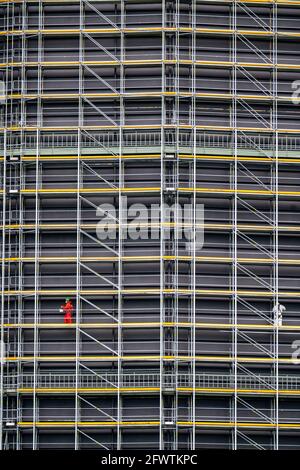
(67, 309)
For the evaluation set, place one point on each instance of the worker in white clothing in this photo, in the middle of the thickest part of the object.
(277, 311)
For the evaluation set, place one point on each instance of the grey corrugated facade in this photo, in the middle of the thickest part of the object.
(171, 103)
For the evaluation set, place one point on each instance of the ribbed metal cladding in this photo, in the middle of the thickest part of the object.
(145, 114)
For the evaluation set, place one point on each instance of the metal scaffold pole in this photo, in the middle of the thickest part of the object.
(234, 317)
(3, 254)
(194, 226)
(122, 201)
(162, 345)
(275, 176)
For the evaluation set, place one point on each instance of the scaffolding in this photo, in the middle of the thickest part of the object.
(133, 105)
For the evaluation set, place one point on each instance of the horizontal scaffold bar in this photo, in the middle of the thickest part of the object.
(134, 62)
(158, 189)
(259, 2)
(154, 390)
(133, 259)
(153, 292)
(207, 226)
(154, 94)
(155, 29)
(157, 358)
(136, 127)
(202, 424)
(157, 156)
(143, 325)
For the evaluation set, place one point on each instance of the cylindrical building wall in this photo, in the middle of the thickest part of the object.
(150, 173)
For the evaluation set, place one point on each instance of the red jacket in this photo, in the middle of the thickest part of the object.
(68, 308)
